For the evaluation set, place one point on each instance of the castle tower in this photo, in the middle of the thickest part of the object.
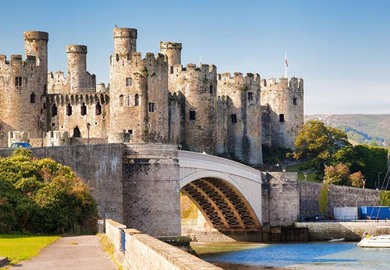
(285, 104)
(173, 51)
(125, 42)
(77, 67)
(35, 44)
(138, 92)
(243, 131)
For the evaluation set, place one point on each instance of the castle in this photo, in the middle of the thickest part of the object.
(152, 99)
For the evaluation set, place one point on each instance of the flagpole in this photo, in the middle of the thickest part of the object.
(285, 64)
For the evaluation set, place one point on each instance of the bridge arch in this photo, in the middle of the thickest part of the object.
(227, 193)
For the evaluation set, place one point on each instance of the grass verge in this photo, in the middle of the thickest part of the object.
(20, 247)
(108, 247)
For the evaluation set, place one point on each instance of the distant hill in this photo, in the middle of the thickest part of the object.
(371, 129)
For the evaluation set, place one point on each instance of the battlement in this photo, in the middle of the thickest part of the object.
(239, 78)
(125, 33)
(17, 60)
(294, 83)
(36, 35)
(78, 99)
(76, 49)
(170, 45)
(204, 68)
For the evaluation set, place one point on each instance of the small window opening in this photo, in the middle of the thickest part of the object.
(117, 57)
(171, 69)
(18, 81)
(129, 81)
(32, 98)
(76, 132)
(295, 101)
(233, 118)
(44, 105)
(211, 89)
(98, 108)
(192, 115)
(54, 110)
(128, 100)
(281, 117)
(83, 109)
(250, 95)
(127, 136)
(121, 100)
(151, 107)
(45, 89)
(68, 110)
(136, 100)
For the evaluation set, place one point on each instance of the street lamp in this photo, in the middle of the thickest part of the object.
(379, 180)
(88, 128)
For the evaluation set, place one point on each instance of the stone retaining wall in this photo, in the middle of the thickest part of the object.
(352, 231)
(148, 253)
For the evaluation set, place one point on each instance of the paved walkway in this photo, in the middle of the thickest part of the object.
(76, 252)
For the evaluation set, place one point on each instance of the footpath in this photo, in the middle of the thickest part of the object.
(75, 252)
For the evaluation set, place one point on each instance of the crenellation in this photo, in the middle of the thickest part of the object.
(149, 99)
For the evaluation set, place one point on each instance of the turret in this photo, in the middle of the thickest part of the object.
(35, 44)
(172, 51)
(125, 42)
(77, 66)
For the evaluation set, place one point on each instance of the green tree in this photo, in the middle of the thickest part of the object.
(317, 144)
(42, 196)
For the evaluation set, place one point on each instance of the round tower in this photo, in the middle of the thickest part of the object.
(125, 41)
(35, 44)
(173, 51)
(77, 66)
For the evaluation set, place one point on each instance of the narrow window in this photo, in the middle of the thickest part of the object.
(44, 105)
(128, 100)
(18, 81)
(76, 132)
(171, 69)
(32, 98)
(127, 136)
(250, 96)
(68, 110)
(98, 109)
(83, 109)
(151, 107)
(129, 81)
(121, 100)
(233, 117)
(136, 100)
(53, 110)
(211, 88)
(295, 101)
(192, 115)
(45, 89)
(117, 57)
(281, 117)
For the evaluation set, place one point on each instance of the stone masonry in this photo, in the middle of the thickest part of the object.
(149, 99)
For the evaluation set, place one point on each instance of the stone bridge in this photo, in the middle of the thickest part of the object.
(227, 193)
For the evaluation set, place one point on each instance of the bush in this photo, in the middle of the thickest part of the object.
(42, 196)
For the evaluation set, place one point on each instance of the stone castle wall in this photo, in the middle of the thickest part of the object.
(150, 99)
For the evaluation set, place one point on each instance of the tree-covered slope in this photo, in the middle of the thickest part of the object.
(360, 128)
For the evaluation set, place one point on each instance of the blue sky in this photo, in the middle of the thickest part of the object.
(340, 48)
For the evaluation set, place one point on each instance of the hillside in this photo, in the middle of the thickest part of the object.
(361, 128)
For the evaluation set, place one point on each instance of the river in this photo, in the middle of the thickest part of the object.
(317, 256)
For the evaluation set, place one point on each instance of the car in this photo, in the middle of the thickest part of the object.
(20, 145)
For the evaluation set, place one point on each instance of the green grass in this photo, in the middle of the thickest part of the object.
(20, 247)
(311, 177)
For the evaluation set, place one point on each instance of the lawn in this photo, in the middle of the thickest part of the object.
(19, 247)
(311, 177)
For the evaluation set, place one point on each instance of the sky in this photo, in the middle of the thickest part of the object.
(341, 48)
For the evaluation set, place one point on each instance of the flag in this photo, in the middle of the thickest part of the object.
(286, 62)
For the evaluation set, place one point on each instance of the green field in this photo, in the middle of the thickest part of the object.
(311, 177)
(19, 247)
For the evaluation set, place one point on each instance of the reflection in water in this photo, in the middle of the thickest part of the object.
(303, 256)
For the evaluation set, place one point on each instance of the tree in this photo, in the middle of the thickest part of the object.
(338, 175)
(317, 144)
(357, 179)
(42, 196)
